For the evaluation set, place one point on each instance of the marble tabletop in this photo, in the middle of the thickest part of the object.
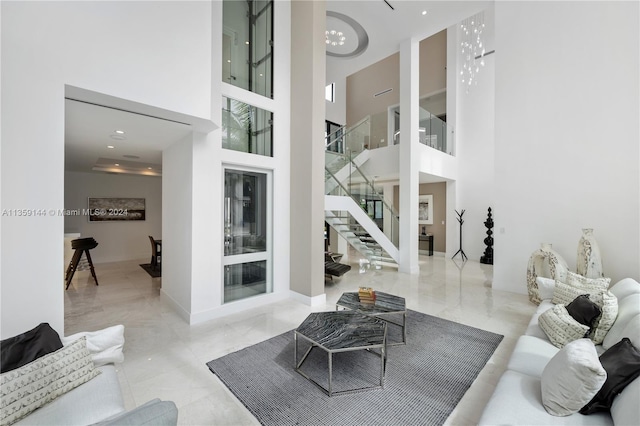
(385, 303)
(343, 330)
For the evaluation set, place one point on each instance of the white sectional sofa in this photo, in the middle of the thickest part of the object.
(517, 399)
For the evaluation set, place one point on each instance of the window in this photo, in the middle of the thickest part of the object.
(246, 128)
(246, 234)
(330, 92)
(247, 45)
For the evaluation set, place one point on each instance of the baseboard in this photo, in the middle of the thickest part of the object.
(319, 300)
(235, 307)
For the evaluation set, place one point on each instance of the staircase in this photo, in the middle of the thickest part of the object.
(346, 186)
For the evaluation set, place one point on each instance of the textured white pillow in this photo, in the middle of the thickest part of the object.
(105, 345)
(560, 327)
(43, 380)
(608, 304)
(545, 287)
(576, 285)
(572, 378)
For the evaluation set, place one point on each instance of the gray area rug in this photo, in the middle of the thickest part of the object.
(425, 379)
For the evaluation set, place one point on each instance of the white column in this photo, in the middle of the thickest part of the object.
(409, 140)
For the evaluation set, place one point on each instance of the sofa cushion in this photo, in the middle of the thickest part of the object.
(533, 329)
(152, 413)
(560, 327)
(33, 385)
(105, 345)
(517, 400)
(622, 364)
(102, 394)
(572, 378)
(625, 409)
(583, 310)
(531, 355)
(20, 350)
(545, 287)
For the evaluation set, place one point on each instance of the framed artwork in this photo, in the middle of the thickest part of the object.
(425, 210)
(116, 209)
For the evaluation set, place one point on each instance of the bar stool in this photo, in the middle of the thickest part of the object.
(81, 245)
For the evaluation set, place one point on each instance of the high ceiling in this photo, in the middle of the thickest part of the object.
(387, 27)
(90, 128)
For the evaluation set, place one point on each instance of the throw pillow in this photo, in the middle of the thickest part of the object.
(33, 385)
(576, 285)
(608, 304)
(583, 310)
(20, 350)
(105, 345)
(622, 364)
(545, 287)
(560, 327)
(571, 378)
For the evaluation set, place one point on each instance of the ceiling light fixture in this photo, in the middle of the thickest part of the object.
(120, 132)
(110, 146)
(334, 38)
(117, 164)
(424, 12)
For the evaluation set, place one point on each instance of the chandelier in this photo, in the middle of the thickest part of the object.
(472, 49)
(334, 38)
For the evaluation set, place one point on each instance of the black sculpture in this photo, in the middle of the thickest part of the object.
(460, 221)
(488, 252)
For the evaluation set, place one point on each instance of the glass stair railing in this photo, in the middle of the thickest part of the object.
(346, 151)
(358, 237)
(434, 132)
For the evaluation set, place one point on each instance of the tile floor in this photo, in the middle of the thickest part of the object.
(165, 357)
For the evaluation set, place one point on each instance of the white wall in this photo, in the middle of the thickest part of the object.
(156, 53)
(567, 132)
(117, 241)
(475, 151)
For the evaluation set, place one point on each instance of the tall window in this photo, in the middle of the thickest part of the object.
(246, 128)
(246, 234)
(247, 45)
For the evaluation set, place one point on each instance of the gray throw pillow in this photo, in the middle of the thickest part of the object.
(622, 364)
(24, 348)
(583, 310)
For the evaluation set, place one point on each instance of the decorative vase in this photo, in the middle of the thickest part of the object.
(589, 261)
(544, 262)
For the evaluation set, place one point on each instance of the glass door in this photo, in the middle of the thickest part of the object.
(247, 233)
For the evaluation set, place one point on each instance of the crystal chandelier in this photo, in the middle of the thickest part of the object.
(334, 38)
(472, 48)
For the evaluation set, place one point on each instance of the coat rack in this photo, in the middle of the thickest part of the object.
(460, 221)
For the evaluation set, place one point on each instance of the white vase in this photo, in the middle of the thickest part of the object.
(544, 262)
(589, 261)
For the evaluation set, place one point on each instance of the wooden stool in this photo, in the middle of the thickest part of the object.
(81, 245)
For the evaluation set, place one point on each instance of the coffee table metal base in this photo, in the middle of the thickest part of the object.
(348, 341)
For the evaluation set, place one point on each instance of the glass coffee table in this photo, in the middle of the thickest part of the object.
(386, 305)
(341, 331)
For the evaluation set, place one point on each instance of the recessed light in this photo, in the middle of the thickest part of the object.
(117, 164)
(110, 146)
(120, 132)
(424, 12)
(150, 168)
